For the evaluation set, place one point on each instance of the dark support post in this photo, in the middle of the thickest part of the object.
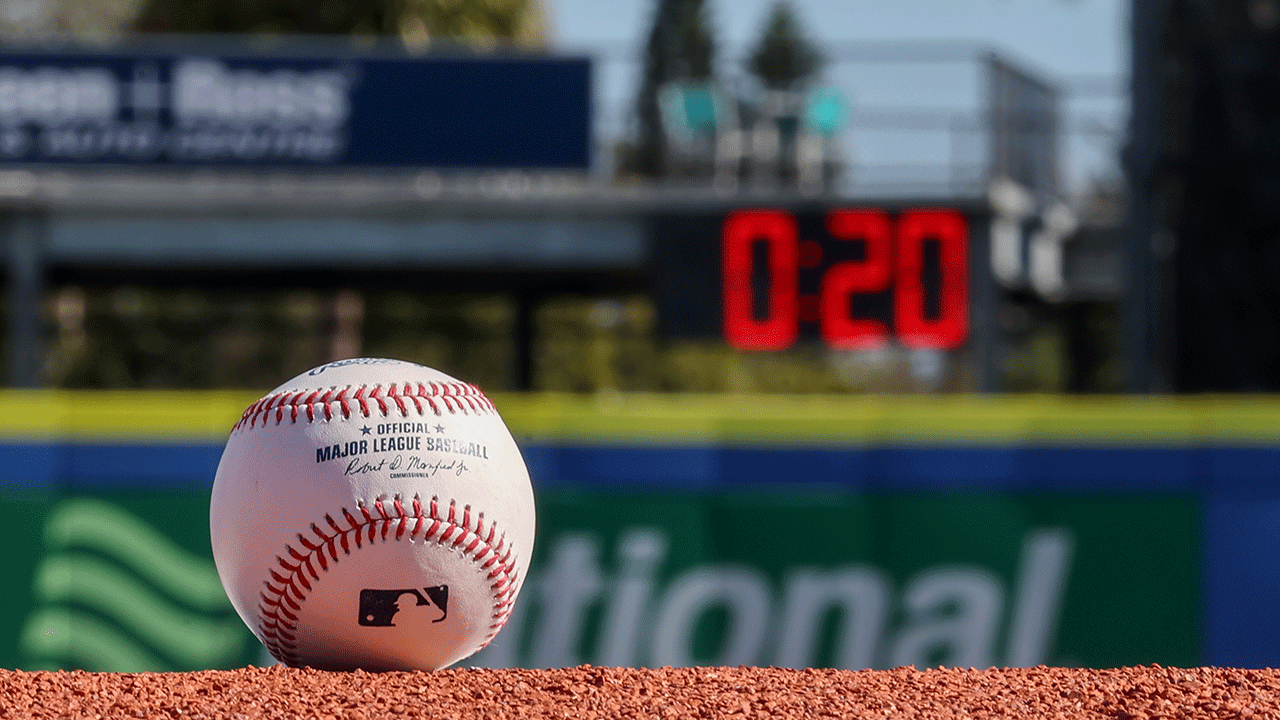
(24, 245)
(1147, 16)
(1080, 346)
(985, 305)
(522, 373)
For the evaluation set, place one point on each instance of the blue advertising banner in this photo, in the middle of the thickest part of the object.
(201, 108)
(846, 532)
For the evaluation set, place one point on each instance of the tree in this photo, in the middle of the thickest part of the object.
(784, 58)
(680, 47)
(416, 22)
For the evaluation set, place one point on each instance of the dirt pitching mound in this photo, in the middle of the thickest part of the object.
(593, 692)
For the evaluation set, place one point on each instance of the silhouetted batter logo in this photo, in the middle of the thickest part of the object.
(378, 607)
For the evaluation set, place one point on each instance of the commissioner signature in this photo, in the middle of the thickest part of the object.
(408, 466)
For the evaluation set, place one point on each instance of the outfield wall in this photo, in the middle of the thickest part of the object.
(852, 532)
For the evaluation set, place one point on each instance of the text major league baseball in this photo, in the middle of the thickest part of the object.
(390, 437)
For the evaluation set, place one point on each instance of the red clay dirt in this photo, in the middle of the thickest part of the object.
(666, 693)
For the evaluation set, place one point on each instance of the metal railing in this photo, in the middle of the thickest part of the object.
(919, 120)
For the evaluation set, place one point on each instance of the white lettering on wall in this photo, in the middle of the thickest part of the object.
(48, 96)
(586, 609)
(208, 91)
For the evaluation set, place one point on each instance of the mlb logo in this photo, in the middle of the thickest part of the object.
(378, 607)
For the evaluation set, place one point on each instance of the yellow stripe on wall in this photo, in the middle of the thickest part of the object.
(910, 420)
(134, 416)
(120, 415)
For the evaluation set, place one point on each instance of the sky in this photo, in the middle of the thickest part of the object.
(1082, 45)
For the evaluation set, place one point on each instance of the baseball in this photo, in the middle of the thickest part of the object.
(374, 514)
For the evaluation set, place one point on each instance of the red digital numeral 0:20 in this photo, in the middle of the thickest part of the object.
(893, 258)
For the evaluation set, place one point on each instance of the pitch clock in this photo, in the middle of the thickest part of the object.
(850, 277)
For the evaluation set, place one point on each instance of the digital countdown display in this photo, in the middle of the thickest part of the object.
(852, 278)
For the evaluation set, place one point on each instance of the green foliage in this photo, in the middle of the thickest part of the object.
(593, 345)
(416, 22)
(784, 58)
(201, 338)
(1035, 365)
(137, 337)
(467, 336)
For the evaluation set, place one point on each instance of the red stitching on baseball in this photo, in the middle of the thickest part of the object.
(277, 625)
(376, 394)
(455, 397)
(364, 404)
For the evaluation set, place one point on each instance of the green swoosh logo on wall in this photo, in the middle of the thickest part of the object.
(191, 639)
(115, 594)
(106, 528)
(59, 635)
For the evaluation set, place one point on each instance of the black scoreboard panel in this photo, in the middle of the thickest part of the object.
(849, 276)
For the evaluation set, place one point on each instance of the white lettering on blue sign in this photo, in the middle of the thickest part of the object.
(207, 91)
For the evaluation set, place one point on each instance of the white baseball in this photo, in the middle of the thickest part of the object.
(372, 513)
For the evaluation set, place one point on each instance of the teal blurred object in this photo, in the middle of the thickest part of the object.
(690, 108)
(825, 112)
